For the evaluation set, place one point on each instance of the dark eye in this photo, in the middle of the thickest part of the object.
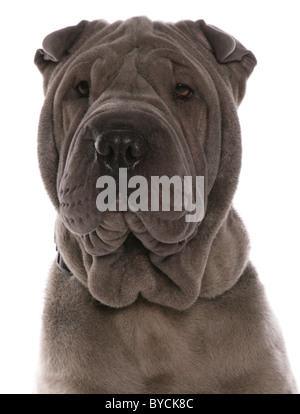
(183, 91)
(83, 88)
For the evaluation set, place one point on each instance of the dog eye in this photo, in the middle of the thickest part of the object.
(183, 91)
(83, 88)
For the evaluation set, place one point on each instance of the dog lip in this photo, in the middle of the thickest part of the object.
(81, 227)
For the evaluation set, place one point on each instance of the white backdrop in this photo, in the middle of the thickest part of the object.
(267, 198)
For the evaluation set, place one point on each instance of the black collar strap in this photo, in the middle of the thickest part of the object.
(61, 264)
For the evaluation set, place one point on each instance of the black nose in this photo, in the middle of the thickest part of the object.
(120, 148)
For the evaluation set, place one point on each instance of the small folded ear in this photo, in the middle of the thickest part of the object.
(57, 45)
(226, 48)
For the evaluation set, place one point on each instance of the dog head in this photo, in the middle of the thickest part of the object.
(153, 98)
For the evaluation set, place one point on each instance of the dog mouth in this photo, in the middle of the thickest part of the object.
(103, 220)
(162, 237)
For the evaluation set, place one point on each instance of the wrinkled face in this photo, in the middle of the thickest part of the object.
(140, 97)
(128, 104)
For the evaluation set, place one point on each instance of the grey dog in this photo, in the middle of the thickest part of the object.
(147, 302)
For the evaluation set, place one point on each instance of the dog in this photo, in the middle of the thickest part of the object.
(147, 301)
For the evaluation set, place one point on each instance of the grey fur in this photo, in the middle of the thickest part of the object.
(154, 305)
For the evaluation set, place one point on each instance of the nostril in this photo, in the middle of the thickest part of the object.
(135, 147)
(134, 151)
(132, 154)
(103, 148)
(138, 149)
(106, 151)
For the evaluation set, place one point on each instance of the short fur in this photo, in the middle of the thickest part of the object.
(154, 304)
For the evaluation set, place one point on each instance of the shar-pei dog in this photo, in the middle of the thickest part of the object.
(146, 300)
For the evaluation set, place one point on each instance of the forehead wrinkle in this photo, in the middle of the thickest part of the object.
(169, 109)
(175, 57)
(151, 84)
(94, 64)
(165, 47)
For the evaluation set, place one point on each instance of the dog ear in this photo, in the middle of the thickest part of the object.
(226, 48)
(57, 45)
(239, 61)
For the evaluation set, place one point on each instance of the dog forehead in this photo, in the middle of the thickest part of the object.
(139, 35)
(138, 28)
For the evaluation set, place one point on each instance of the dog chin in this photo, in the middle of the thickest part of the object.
(157, 234)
